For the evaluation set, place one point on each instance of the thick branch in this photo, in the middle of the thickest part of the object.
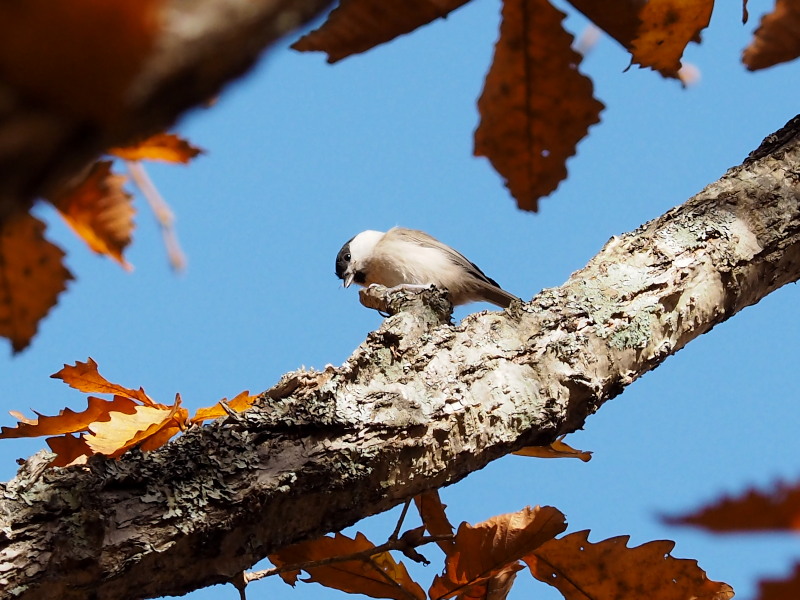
(200, 45)
(420, 404)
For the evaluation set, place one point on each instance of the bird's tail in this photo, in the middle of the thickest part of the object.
(497, 296)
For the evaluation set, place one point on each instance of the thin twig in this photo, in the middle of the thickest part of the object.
(361, 555)
(396, 532)
(162, 212)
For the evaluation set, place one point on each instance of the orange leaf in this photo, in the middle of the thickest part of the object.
(535, 106)
(68, 421)
(755, 510)
(780, 589)
(99, 210)
(69, 450)
(358, 25)
(581, 570)
(161, 146)
(31, 277)
(241, 402)
(655, 32)
(557, 449)
(378, 577)
(431, 511)
(124, 431)
(666, 27)
(79, 56)
(492, 548)
(776, 40)
(86, 378)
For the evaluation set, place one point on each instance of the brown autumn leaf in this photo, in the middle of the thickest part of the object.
(69, 450)
(667, 26)
(99, 210)
(124, 431)
(656, 32)
(83, 376)
(241, 402)
(378, 576)
(358, 25)
(780, 589)
(431, 511)
(90, 78)
(31, 278)
(67, 420)
(582, 570)
(777, 38)
(755, 510)
(535, 106)
(557, 449)
(494, 547)
(167, 147)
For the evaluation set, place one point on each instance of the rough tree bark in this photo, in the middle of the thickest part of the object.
(200, 45)
(420, 404)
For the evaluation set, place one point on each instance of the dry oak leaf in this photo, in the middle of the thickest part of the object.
(777, 509)
(32, 276)
(67, 420)
(777, 38)
(359, 25)
(241, 402)
(655, 32)
(99, 210)
(667, 26)
(780, 589)
(557, 449)
(78, 56)
(69, 450)
(582, 570)
(84, 377)
(378, 576)
(493, 548)
(167, 147)
(147, 425)
(535, 106)
(431, 511)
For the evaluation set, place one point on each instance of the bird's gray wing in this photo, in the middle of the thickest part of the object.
(425, 240)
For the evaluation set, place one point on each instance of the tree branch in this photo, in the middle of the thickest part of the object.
(420, 404)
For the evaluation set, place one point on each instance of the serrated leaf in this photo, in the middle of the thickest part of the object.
(377, 577)
(32, 275)
(357, 25)
(535, 106)
(582, 570)
(84, 376)
(777, 509)
(494, 547)
(99, 211)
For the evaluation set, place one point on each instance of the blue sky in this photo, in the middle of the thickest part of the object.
(302, 155)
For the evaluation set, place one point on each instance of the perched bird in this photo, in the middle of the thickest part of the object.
(410, 257)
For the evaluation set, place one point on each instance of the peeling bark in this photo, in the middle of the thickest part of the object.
(201, 45)
(420, 404)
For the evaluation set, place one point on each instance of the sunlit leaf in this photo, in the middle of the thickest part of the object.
(378, 577)
(582, 570)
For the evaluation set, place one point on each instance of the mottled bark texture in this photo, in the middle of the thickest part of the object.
(420, 404)
(200, 45)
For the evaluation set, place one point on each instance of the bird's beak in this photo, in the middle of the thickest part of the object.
(348, 279)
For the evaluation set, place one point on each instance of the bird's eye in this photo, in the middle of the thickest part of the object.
(347, 257)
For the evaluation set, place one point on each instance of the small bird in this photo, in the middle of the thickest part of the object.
(410, 257)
